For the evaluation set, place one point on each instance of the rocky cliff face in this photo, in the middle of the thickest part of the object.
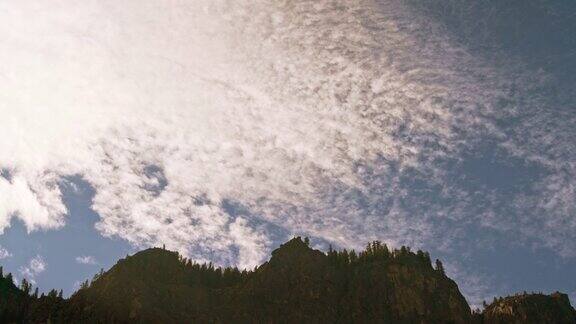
(530, 308)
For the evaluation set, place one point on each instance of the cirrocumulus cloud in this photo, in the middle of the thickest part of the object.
(336, 119)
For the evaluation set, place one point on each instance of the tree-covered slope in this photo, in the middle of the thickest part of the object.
(297, 285)
(302, 285)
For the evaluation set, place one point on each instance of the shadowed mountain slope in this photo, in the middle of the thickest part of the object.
(530, 308)
(297, 285)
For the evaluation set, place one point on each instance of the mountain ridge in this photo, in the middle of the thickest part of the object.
(298, 284)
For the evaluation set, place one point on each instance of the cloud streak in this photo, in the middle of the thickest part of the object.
(86, 259)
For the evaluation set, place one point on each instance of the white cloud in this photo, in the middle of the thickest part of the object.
(35, 266)
(86, 259)
(4, 253)
(98, 89)
(311, 115)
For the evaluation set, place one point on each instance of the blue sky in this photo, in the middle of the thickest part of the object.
(60, 249)
(221, 129)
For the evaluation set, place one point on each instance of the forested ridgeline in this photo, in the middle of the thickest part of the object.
(297, 285)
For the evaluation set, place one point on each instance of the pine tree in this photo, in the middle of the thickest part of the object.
(53, 294)
(403, 250)
(25, 286)
(440, 267)
(353, 257)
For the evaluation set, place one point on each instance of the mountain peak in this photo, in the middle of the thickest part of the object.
(295, 250)
(295, 244)
(154, 253)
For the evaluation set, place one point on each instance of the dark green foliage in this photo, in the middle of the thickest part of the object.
(25, 286)
(12, 300)
(297, 285)
(440, 267)
(17, 305)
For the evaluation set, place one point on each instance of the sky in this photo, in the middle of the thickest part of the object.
(223, 128)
